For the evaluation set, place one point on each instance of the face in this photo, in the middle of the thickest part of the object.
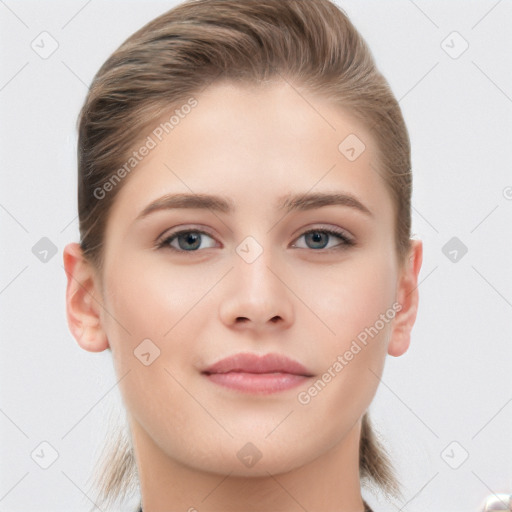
(262, 270)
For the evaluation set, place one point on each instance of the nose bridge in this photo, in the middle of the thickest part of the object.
(256, 294)
(253, 274)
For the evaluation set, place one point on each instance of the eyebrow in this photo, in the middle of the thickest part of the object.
(289, 203)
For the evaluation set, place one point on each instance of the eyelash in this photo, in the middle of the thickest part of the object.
(346, 242)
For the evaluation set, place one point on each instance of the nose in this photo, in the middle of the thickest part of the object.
(256, 296)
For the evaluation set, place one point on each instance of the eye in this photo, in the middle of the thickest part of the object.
(191, 240)
(187, 241)
(322, 238)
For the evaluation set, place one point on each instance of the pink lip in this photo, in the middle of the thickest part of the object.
(257, 374)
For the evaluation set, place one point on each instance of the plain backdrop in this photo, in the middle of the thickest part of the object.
(444, 409)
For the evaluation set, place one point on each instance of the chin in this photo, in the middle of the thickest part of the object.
(260, 469)
(250, 461)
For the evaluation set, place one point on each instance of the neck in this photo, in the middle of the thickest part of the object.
(330, 482)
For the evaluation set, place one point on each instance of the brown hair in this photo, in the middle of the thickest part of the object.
(312, 44)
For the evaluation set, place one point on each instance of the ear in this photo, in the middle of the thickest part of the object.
(407, 296)
(83, 300)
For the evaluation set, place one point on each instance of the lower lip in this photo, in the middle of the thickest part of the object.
(264, 383)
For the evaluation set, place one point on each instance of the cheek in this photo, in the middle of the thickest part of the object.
(150, 297)
(355, 295)
(154, 318)
(352, 303)
(152, 302)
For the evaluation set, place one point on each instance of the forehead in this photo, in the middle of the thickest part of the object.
(254, 143)
(275, 120)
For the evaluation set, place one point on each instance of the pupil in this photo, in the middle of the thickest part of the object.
(317, 237)
(190, 238)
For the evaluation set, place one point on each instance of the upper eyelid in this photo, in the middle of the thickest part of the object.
(333, 231)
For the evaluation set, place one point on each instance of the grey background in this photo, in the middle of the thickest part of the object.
(453, 385)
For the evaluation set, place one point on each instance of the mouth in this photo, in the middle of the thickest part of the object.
(251, 373)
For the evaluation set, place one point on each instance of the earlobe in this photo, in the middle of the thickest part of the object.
(408, 298)
(83, 301)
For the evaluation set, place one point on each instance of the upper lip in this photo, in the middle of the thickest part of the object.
(253, 363)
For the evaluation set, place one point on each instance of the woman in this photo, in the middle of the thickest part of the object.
(244, 199)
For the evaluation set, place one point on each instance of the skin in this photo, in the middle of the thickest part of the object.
(253, 145)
